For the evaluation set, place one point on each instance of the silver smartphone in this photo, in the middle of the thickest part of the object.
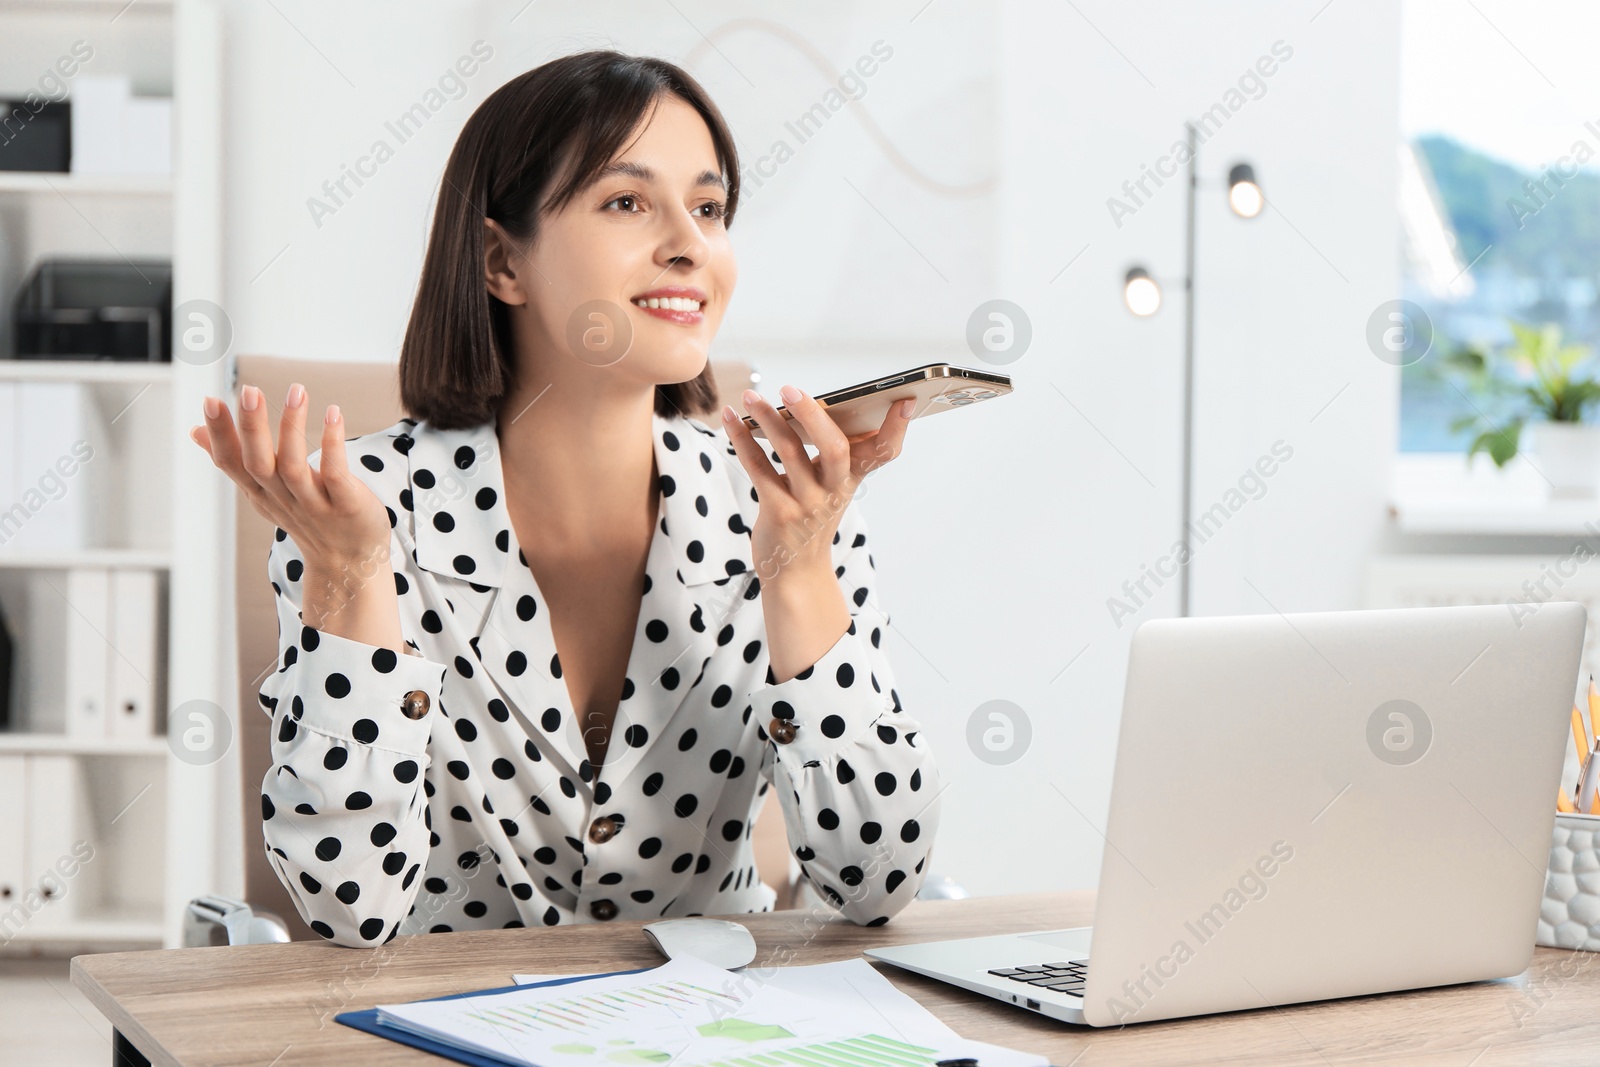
(861, 409)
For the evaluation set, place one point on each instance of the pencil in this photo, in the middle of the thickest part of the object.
(1578, 736)
(1594, 708)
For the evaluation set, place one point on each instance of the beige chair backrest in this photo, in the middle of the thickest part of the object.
(368, 396)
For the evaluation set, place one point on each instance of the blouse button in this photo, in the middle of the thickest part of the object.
(603, 910)
(782, 731)
(414, 704)
(602, 830)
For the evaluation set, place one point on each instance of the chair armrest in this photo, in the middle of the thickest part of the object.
(219, 920)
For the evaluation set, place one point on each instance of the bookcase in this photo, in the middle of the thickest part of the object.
(97, 828)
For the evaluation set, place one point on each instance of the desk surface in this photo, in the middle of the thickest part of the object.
(274, 1004)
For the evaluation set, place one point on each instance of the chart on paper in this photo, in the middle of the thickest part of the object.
(599, 1011)
(875, 1049)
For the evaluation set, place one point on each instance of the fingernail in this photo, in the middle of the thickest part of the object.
(750, 397)
(790, 394)
(249, 398)
(193, 436)
(333, 414)
(907, 406)
(728, 414)
(213, 407)
(297, 393)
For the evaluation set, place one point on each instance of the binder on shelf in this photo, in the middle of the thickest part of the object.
(57, 838)
(132, 650)
(88, 653)
(13, 857)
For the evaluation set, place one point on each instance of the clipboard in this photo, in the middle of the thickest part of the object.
(367, 1020)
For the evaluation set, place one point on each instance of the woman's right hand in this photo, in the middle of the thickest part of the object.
(335, 519)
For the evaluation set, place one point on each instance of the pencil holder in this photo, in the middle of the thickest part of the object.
(1569, 917)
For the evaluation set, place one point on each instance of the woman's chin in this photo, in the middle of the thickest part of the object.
(675, 367)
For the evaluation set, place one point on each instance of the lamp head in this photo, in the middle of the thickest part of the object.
(1140, 292)
(1244, 195)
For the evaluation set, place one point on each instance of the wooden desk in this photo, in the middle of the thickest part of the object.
(274, 1004)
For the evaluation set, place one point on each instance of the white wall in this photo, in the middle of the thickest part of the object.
(1002, 127)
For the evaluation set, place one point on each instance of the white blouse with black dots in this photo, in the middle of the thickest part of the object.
(449, 789)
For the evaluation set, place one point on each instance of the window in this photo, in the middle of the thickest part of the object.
(1500, 195)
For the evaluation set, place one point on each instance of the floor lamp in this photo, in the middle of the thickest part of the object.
(1142, 294)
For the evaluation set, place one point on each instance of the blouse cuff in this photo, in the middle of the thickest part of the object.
(828, 705)
(356, 691)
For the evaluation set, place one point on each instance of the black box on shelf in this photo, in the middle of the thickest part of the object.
(36, 140)
(94, 309)
(6, 716)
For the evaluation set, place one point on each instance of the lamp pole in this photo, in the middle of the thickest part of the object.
(1142, 294)
(1188, 375)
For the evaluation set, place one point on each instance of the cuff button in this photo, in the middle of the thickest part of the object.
(415, 704)
(782, 730)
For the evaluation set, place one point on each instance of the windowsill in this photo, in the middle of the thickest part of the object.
(1436, 493)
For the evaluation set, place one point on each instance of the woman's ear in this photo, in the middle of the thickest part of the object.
(500, 264)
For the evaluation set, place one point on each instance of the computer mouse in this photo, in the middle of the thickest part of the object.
(717, 941)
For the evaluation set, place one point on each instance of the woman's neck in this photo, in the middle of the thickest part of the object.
(581, 460)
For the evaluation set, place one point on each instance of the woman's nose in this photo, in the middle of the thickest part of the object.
(683, 243)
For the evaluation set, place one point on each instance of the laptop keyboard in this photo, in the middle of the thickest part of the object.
(1062, 977)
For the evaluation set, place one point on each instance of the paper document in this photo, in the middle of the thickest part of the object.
(690, 1013)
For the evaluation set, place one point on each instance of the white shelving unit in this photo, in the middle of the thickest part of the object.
(132, 797)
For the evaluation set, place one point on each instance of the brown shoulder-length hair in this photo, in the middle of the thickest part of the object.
(576, 112)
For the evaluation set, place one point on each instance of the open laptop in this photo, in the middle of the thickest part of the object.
(1306, 807)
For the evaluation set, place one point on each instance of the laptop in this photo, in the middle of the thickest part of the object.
(1306, 807)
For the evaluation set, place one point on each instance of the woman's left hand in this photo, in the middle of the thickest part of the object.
(801, 508)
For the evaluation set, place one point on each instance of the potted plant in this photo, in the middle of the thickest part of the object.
(1542, 385)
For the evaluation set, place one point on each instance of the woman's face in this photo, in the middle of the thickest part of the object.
(648, 230)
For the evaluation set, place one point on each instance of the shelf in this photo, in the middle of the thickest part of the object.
(1552, 518)
(60, 744)
(104, 927)
(1440, 493)
(40, 559)
(80, 8)
(88, 371)
(68, 185)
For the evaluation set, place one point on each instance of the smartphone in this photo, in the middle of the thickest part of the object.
(936, 387)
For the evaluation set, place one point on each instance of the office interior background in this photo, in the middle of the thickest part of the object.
(998, 150)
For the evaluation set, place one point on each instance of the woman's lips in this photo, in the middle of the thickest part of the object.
(682, 318)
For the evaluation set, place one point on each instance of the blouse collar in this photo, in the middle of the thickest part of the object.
(456, 487)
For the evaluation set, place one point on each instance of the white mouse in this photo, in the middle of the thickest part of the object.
(717, 941)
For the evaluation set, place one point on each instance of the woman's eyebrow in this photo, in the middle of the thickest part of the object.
(643, 173)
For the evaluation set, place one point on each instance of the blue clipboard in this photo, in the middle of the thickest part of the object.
(368, 1020)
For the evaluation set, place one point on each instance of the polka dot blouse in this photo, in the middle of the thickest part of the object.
(449, 788)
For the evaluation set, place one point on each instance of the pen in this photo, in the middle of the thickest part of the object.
(1587, 783)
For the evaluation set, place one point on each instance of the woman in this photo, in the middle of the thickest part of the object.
(437, 763)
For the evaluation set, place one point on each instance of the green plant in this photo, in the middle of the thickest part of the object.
(1536, 378)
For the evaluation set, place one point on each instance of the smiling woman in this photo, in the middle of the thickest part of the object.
(596, 654)
(534, 146)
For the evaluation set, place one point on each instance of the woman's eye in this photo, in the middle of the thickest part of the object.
(630, 202)
(713, 210)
